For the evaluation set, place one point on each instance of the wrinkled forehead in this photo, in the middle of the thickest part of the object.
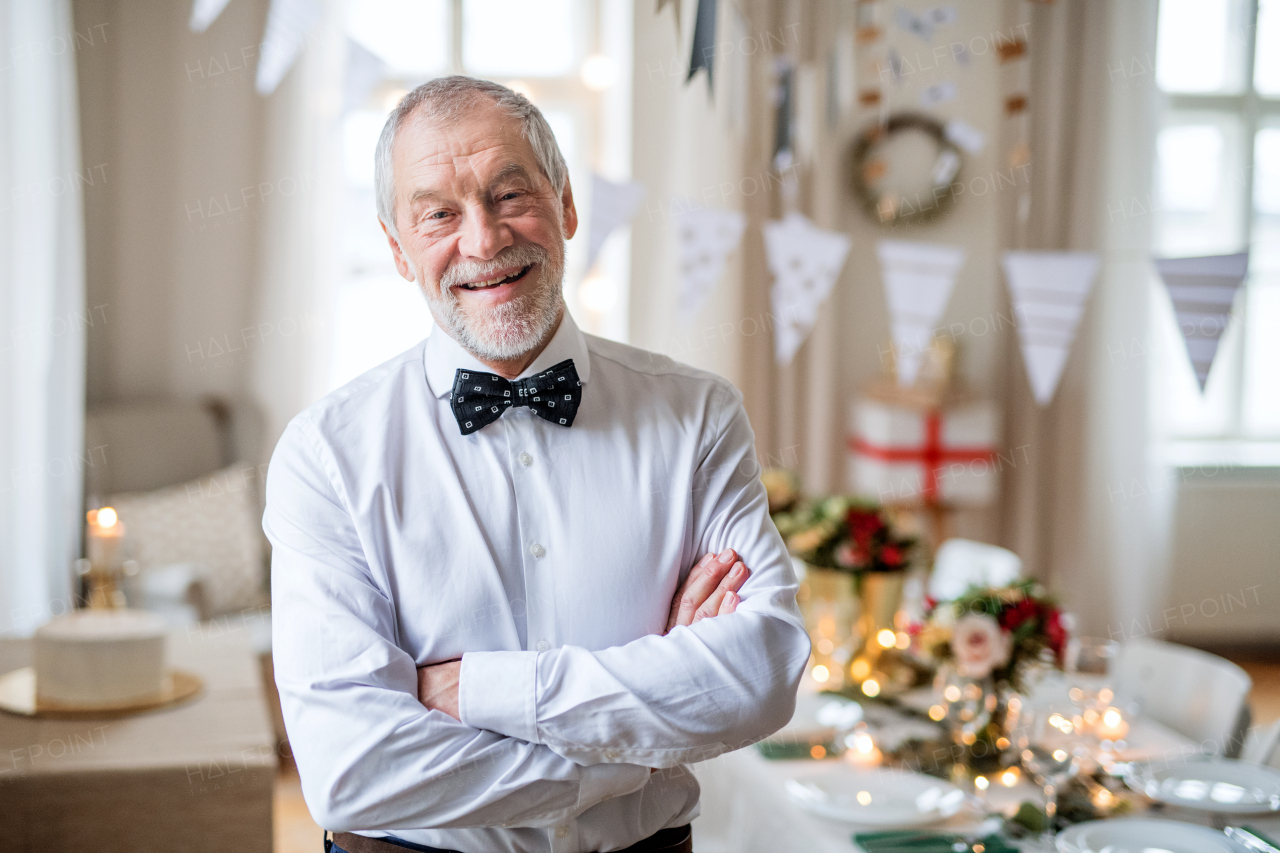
(463, 154)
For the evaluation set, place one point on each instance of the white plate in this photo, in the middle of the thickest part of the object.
(1215, 785)
(1133, 835)
(880, 798)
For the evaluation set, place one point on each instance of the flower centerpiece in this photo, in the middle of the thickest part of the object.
(846, 535)
(1000, 633)
(989, 642)
(850, 547)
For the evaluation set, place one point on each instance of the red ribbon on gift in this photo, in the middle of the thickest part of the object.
(932, 454)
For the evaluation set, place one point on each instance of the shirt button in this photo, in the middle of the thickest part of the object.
(526, 460)
(537, 550)
(611, 754)
(543, 645)
(562, 832)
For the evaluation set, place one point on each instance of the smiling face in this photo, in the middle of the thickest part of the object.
(483, 232)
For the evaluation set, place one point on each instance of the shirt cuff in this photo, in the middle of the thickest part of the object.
(602, 782)
(497, 692)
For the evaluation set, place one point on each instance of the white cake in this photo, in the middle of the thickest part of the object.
(100, 658)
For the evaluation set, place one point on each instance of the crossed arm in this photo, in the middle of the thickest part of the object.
(528, 738)
(711, 589)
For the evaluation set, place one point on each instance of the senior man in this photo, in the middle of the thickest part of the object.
(492, 628)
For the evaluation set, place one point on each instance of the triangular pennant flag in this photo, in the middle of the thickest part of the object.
(288, 22)
(675, 5)
(364, 71)
(704, 42)
(805, 261)
(705, 237)
(204, 13)
(612, 206)
(1202, 290)
(918, 280)
(1048, 290)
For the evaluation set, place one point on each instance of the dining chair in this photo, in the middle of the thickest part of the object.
(963, 563)
(1197, 694)
(1260, 745)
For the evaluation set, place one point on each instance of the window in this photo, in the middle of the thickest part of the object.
(1218, 191)
(570, 57)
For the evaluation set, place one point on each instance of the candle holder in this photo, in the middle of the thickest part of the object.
(104, 570)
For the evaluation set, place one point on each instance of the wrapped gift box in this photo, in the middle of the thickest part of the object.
(902, 452)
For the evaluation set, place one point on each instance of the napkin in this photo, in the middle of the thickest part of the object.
(917, 841)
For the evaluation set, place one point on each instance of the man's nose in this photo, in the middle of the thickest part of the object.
(483, 234)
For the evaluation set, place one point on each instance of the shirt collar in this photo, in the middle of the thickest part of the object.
(443, 356)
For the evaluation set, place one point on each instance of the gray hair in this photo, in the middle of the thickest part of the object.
(444, 100)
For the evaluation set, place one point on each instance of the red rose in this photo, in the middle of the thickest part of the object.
(1055, 632)
(863, 524)
(1012, 617)
(890, 555)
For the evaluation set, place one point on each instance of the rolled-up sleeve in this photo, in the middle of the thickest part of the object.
(699, 691)
(369, 754)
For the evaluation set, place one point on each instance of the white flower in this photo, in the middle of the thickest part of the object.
(980, 645)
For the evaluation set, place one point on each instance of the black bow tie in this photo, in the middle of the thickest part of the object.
(479, 398)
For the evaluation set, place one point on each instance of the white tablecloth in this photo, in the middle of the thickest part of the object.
(745, 807)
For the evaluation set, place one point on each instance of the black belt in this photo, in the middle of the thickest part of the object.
(675, 840)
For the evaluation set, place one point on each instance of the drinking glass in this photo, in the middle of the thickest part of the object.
(1089, 663)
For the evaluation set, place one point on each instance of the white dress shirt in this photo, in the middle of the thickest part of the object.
(546, 558)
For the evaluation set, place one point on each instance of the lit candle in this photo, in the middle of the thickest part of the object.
(106, 539)
(862, 751)
(1112, 726)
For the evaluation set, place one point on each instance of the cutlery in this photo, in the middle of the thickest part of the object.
(1246, 838)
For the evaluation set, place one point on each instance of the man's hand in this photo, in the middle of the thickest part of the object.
(438, 687)
(710, 590)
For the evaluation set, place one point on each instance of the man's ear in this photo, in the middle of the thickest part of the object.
(402, 265)
(570, 219)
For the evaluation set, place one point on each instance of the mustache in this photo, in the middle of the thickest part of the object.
(521, 255)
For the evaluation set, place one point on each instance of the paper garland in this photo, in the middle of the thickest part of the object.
(1202, 290)
(918, 280)
(704, 42)
(805, 261)
(612, 206)
(1048, 290)
(288, 22)
(704, 236)
(204, 13)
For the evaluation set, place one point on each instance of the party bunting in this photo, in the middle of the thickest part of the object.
(288, 22)
(612, 206)
(704, 42)
(204, 13)
(364, 70)
(918, 280)
(1048, 290)
(805, 261)
(1202, 290)
(705, 237)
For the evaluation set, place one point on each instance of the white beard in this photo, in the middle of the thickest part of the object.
(509, 330)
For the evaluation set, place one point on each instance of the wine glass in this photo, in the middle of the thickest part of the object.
(1089, 663)
(1049, 749)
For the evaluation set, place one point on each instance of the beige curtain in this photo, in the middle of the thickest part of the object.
(1069, 511)
(1091, 132)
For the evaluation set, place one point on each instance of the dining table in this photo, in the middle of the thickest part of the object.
(747, 807)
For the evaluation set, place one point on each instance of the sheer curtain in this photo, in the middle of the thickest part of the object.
(42, 313)
(1089, 512)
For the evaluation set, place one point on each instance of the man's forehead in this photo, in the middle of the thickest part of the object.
(483, 144)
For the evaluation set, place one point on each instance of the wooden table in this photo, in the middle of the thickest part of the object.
(196, 777)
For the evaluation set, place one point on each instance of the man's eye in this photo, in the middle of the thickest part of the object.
(439, 214)
(508, 196)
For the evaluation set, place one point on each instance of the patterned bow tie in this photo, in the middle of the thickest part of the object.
(479, 398)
